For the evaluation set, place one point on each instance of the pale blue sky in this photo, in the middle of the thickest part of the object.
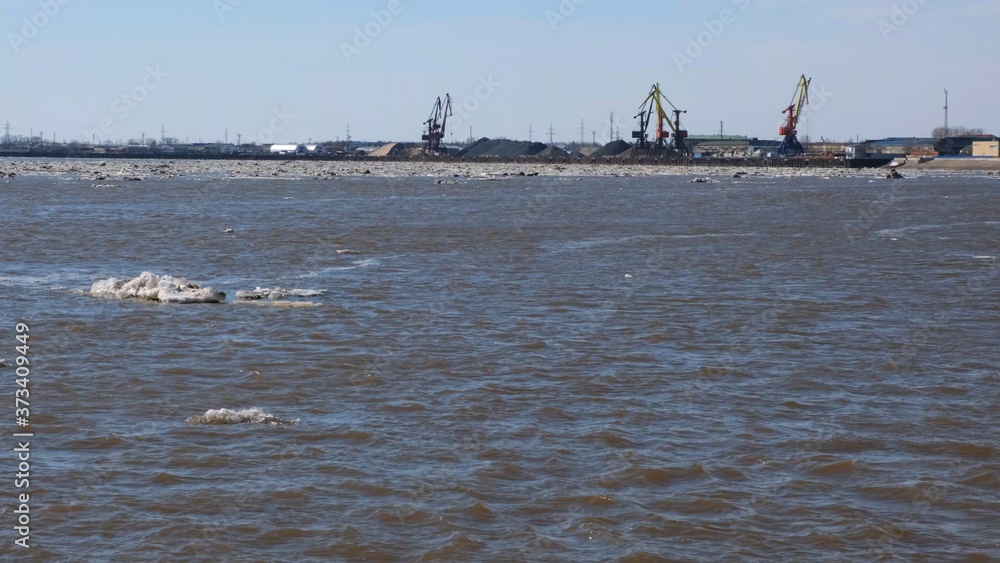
(237, 70)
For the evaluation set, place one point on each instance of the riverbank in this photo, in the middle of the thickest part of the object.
(959, 164)
(122, 170)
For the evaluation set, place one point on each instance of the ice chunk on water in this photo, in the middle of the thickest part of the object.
(245, 416)
(277, 293)
(164, 289)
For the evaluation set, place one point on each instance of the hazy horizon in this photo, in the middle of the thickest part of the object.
(304, 70)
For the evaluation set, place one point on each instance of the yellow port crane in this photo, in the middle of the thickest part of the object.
(790, 145)
(654, 103)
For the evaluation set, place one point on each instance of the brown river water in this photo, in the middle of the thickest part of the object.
(516, 369)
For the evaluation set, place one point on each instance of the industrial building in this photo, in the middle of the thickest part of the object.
(296, 150)
(988, 149)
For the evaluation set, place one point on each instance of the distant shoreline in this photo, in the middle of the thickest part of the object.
(123, 172)
(620, 160)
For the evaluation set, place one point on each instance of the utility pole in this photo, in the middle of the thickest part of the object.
(470, 135)
(611, 128)
(946, 113)
(722, 132)
(531, 132)
(583, 130)
(163, 134)
(239, 140)
(6, 137)
(227, 135)
(595, 137)
(142, 138)
(552, 133)
(347, 146)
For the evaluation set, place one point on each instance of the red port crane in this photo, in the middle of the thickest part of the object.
(661, 145)
(790, 145)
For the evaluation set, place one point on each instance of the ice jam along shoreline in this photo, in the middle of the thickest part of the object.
(177, 290)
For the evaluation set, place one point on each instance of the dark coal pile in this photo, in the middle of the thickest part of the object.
(614, 148)
(501, 147)
(553, 152)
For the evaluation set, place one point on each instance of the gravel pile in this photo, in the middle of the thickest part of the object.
(501, 147)
(553, 152)
(614, 148)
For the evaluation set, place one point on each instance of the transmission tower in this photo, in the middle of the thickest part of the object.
(552, 133)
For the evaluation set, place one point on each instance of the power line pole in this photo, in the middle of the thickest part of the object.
(531, 132)
(6, 137)
(227, 135)
(583, 130)
(163, 134)
(594, 133)
(552, 132)
(945, 113)
(611, 128)
(722, 132)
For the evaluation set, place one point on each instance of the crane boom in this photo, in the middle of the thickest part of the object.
(790, 145)
(436, 126)
(654, 104)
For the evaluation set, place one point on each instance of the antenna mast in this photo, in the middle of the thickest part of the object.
(946, 132)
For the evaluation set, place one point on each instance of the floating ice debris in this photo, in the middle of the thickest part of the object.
(701, 181)
(229, 231)
(245, 416)
(346, 251)
(164, 289)
(277, 293)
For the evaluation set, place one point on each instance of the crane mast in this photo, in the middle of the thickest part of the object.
(437, 126)
(790, 145)
(661, 145)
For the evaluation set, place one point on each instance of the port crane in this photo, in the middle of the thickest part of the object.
(660, 146)
(437, 126)
(790, 145)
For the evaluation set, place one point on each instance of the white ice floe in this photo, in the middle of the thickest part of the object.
(245, 416)
(277, 293)
(164, 289)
